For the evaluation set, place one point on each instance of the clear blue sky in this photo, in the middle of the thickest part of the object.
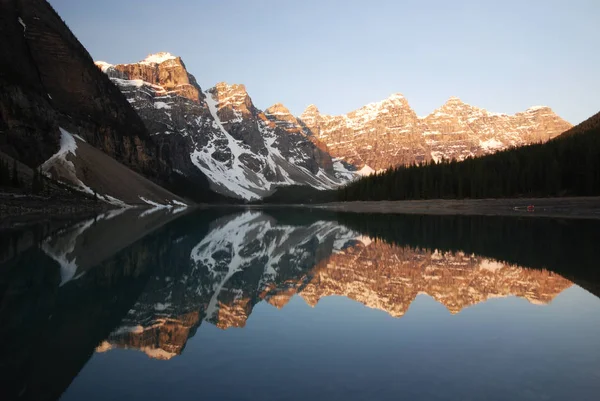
(501, 55)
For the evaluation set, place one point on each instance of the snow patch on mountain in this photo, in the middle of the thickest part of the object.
(161, 105)
(22, 24)
(68, 146)
(114, 201)
(155, 206)
(344, 171)
(491, 144)
(232, 173)
(365, 171)
(138, 83)
(158, 58)
(103, 65)
(536, 108)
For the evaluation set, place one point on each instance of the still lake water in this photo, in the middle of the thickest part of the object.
(287, 304)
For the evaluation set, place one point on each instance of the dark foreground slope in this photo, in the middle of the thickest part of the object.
(49, 84)
(47, 80)
(568, 165)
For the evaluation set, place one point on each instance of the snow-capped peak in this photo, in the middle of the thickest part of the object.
(454, 100)
(536, 108)
(226, 87)
(396, 96)
(158, 58)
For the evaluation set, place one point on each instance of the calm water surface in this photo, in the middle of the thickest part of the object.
(294, 305)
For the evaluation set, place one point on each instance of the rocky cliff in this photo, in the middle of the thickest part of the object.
(247, 153)
(389, 133)
(243, 151)
(48, 80)
(55, 105)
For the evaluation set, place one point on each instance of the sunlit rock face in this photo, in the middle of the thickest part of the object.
(163, 70)
(378, 135)
(219, 133)
(389, 133)
(251, 257)
(247, 153)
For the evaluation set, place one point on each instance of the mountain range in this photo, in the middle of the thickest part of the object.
(389, 133)
(147, 133)
(244, 151)
(247, 152)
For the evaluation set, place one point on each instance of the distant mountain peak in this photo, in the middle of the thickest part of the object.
(311, 110)
(158, 58)
(278, 109)
(455, 100)
(278, 105)
(456, 130)
(396, 96)
(533, 109)
(233, 96)
(227, 87)
(160, 69)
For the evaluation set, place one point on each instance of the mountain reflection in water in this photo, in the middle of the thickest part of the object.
(124, 281)
(248, 258)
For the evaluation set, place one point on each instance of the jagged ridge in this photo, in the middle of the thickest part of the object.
(389, 133)
(219, 132)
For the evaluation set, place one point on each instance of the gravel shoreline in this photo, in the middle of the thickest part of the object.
(19, 209)
(575, 207)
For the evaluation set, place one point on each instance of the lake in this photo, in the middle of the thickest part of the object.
(297, 304)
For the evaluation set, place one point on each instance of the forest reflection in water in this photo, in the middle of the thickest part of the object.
(149, 282)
